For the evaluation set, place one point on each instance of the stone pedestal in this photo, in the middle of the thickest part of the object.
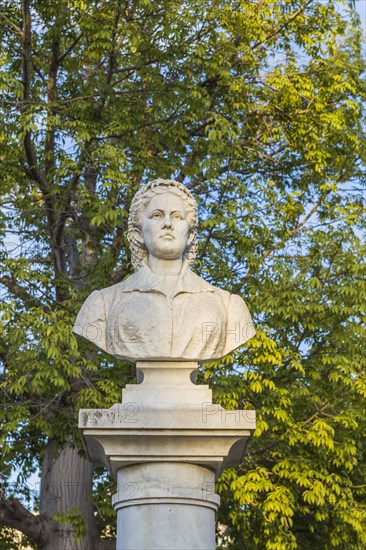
(166, 443)
(165, 505)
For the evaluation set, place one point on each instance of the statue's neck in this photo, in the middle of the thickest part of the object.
(167, 272)
(165, 268)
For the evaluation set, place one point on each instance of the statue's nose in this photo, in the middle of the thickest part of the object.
(167, 222)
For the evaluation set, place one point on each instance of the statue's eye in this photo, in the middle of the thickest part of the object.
(177, 216)
(156, 215)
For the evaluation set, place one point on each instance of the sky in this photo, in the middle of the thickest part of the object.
(361, 9)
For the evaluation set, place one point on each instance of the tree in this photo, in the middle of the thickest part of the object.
(258, 108)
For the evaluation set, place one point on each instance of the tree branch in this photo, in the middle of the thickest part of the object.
(51, 96)
(20, 292)
(211, 230)
(280, 28)
(318, 412)
(112, 64)
(69, 49)
(268, 252)
(33, 170)
(264, 448)
(106, 544)
(13, 514)
(15, 27)
(67, 210)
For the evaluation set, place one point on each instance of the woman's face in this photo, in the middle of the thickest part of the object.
(165, 229)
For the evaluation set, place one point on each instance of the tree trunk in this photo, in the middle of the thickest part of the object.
(66, 483)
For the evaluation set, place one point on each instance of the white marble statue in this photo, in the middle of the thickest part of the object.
(164, 311)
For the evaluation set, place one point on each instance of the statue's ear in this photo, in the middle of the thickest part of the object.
(137, 233)
(191, 236)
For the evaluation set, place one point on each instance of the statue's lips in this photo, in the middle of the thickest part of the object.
(168, 236)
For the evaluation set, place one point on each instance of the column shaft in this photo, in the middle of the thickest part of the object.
(165, 506)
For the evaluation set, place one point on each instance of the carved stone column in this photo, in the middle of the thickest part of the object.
(166, 443)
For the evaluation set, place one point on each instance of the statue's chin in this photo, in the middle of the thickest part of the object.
(166, 254)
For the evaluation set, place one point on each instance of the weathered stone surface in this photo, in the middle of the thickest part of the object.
(166, 417)
(177, 503)
(207, 435)
(164, 311)
(166, 442)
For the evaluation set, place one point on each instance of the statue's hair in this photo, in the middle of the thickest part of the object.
(140, 201)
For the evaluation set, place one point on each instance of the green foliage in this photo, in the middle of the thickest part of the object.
(104, 489)
(259, 108)
(75, 520)
(13, 540)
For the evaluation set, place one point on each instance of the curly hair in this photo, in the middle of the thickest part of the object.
(140, 201)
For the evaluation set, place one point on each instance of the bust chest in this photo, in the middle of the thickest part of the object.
(178, 327)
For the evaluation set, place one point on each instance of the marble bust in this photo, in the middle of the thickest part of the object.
(164, 311)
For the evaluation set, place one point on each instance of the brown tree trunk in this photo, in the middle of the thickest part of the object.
(66, 483)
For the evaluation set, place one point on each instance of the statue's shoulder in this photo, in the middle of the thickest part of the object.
(195, 281)
(203, 285)
(233, 302)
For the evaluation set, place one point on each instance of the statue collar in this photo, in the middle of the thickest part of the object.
(144, 280)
